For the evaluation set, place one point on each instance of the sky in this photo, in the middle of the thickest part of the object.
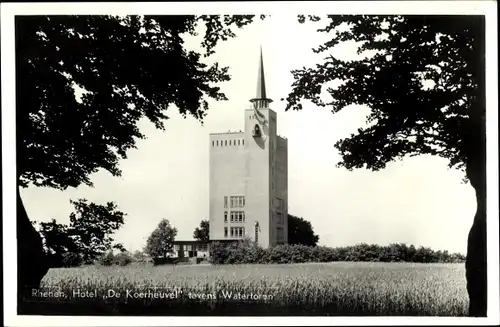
(415, 201)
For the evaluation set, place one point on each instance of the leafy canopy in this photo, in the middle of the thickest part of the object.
(88, 235)
(202, 233)
(161, 241)
(419, 75)
(124, 68)
(92, 226)
(300, 231)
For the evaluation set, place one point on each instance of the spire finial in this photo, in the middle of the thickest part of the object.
(261, 100)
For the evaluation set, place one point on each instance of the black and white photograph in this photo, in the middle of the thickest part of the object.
(266, 159)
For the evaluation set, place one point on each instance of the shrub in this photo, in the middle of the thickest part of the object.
(123, 259)
(246, 252)
(107, 259)
(71, 259)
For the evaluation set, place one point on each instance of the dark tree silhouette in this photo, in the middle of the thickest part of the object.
(92, 226)
(202, 233)
(161, 241)
(88, 235)
(129, 68)
(443, 117)
(300, 231)
(57, 242)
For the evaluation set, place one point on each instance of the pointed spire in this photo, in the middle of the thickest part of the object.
(261, 101)
(261, 79)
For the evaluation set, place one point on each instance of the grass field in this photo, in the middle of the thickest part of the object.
(342, 288)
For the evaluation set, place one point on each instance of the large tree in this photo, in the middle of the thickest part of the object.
(127, 68)
(300, 231)
(202, 233)
(160, 243)
(423, 79)
(88, 235)
(92, 227)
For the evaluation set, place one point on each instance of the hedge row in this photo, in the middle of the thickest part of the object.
(247, 253)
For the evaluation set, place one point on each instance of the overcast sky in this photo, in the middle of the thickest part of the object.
(417, 201)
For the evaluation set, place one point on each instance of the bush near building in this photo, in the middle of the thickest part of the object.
(250, 253)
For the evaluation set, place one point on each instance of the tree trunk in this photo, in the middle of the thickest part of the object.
(32, 263)
(475, 150)
(476, 250)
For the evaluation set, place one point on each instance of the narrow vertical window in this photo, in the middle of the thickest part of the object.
(217, 143)
(232, 231)
(225, 231)
(225, 202)
(225, 216)
(225, 143)
(238, 142)
(213, 143)
(243, 142)
(243, 214)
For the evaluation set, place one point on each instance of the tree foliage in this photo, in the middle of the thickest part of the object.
(419, 75)
(202, 233)
(127, 68)
(300, 231)
(88, 235)
(92, 227)
(56, 238)
(423, 78)
(161, 241)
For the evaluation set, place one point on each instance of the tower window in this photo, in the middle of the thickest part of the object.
(242, 142)
(225, 143)
(225, 231)
(256, 131)
(225, 216)
(213, 143)
(237, 201)
(217, 143)
(238, 142)
(237, 216)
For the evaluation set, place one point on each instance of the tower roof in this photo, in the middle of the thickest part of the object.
(261, 100)
(261, 79)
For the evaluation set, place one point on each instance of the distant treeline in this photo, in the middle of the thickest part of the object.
(246, 252)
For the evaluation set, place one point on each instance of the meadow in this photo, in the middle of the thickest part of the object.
(334, 289)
